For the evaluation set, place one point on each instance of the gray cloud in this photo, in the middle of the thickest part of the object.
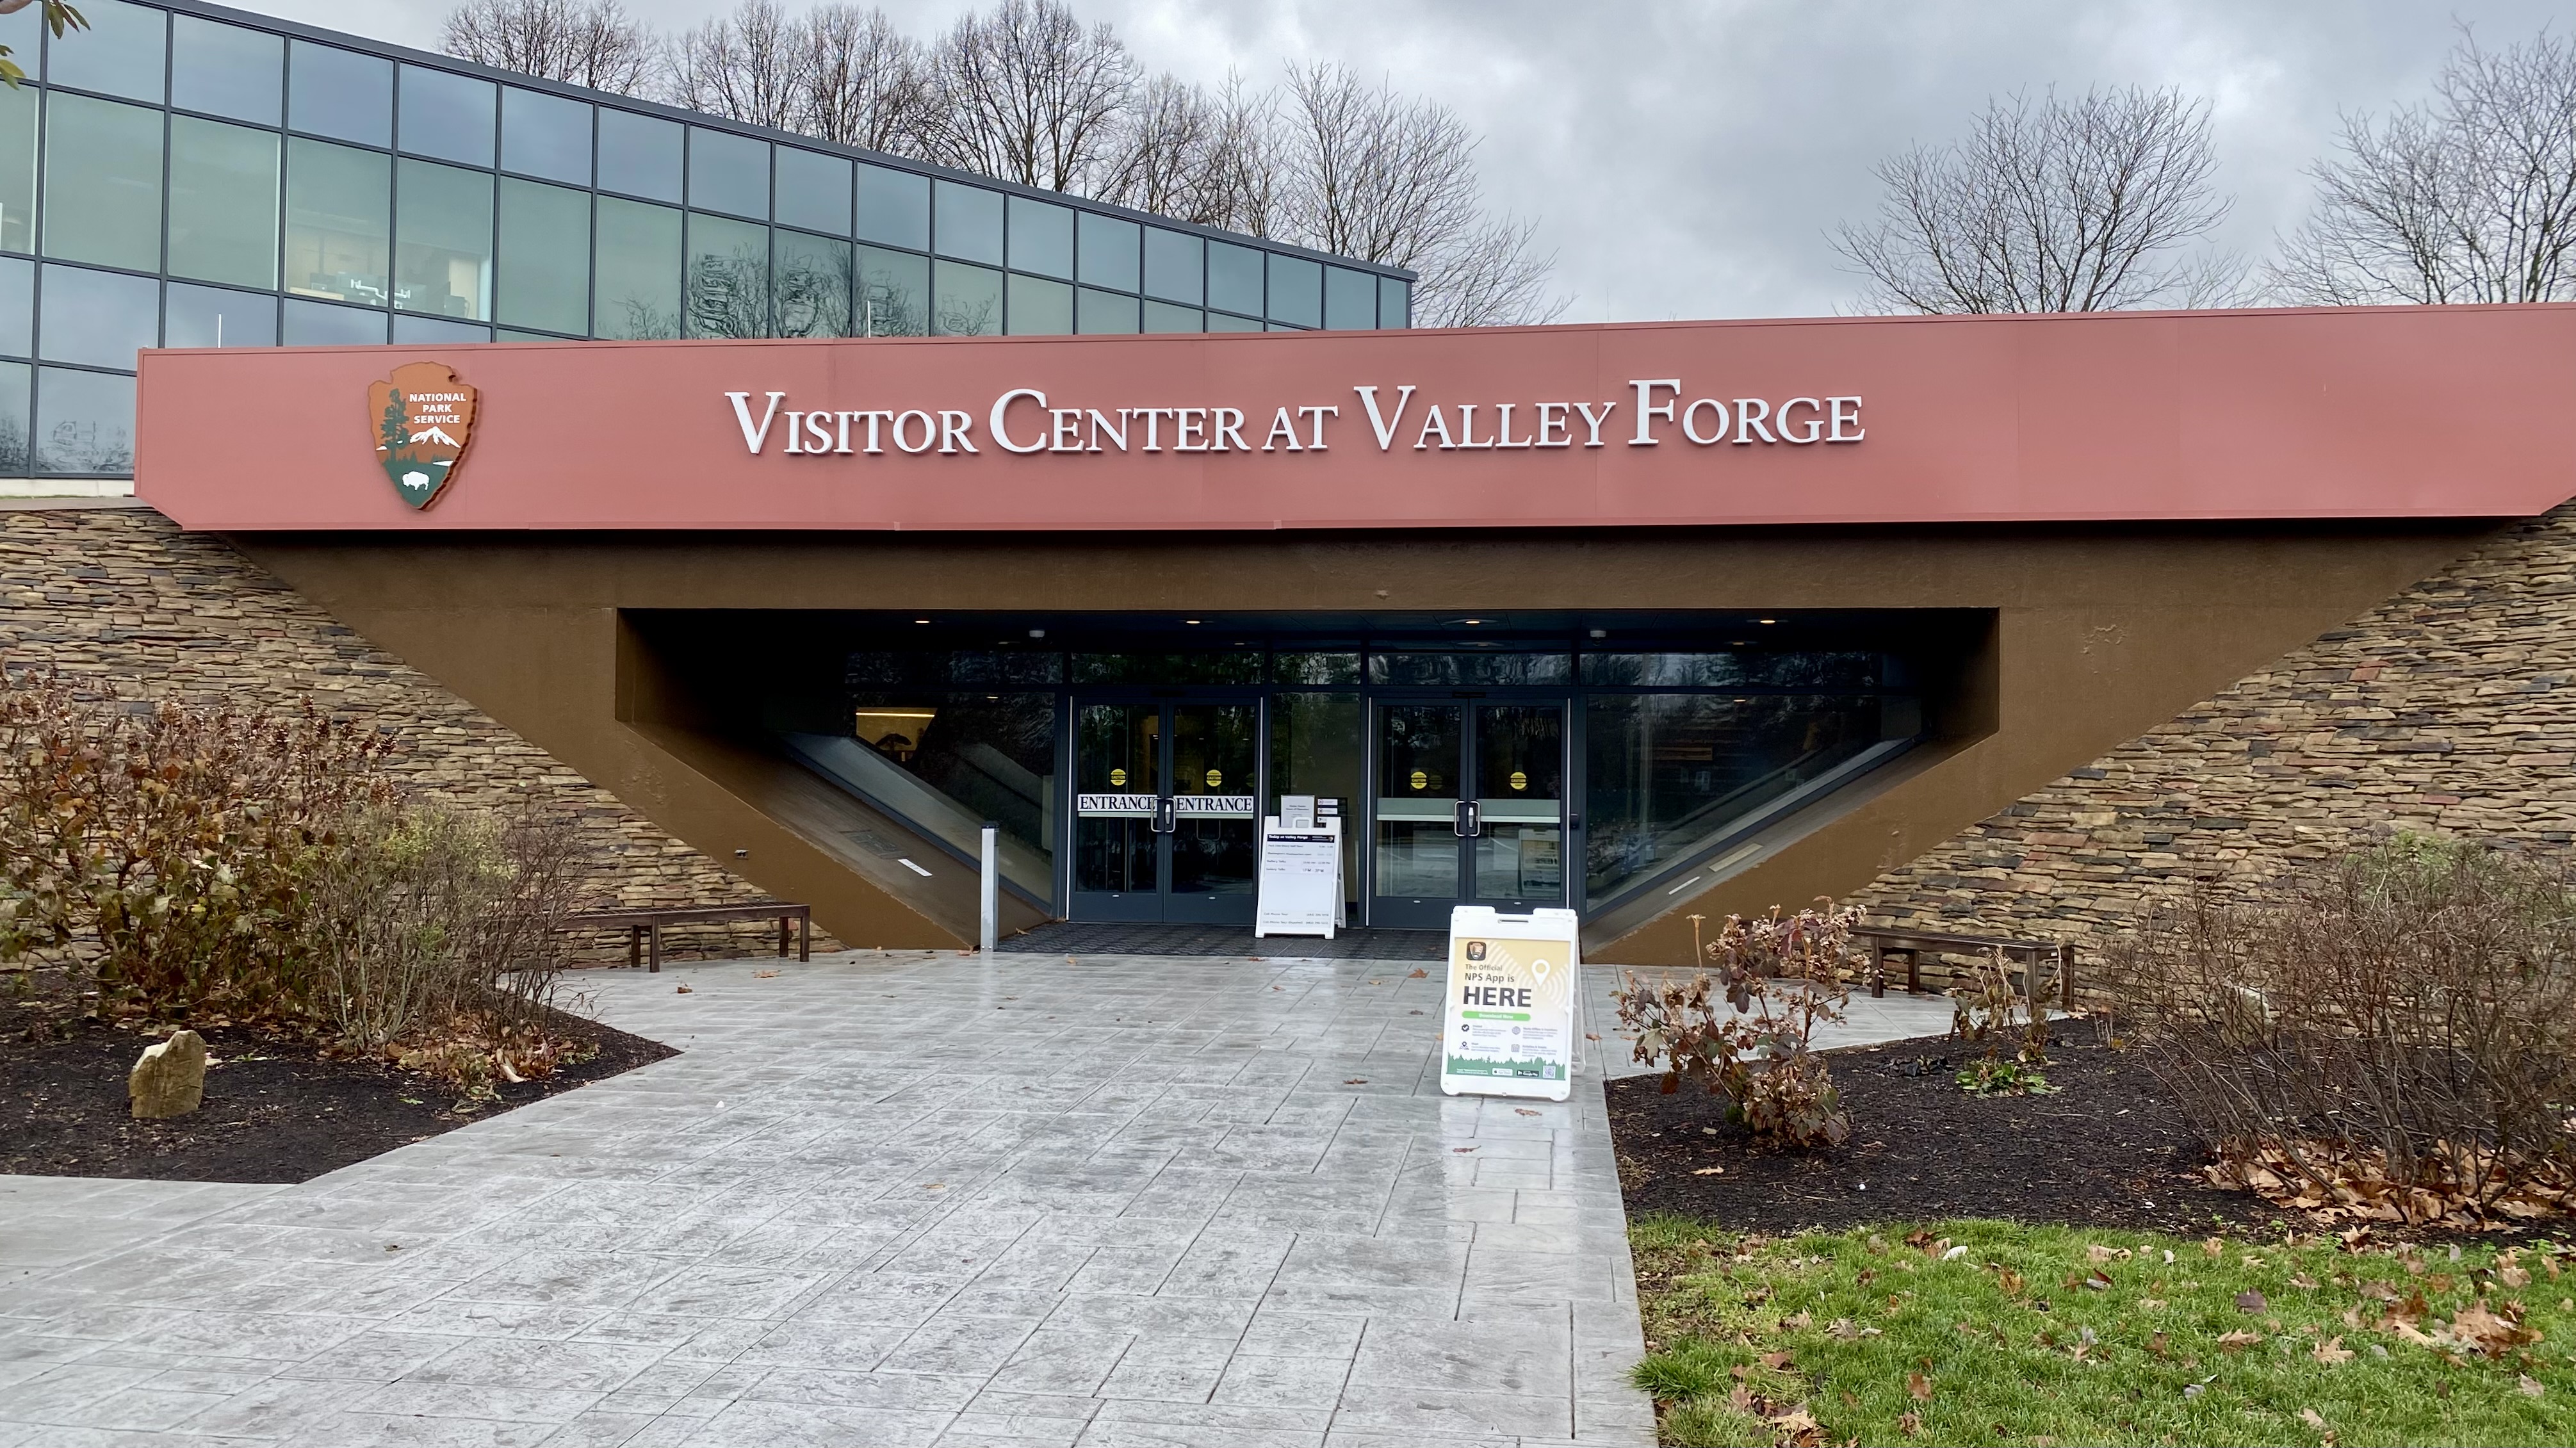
(1688, 160)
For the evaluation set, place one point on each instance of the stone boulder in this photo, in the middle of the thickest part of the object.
(170, 1079)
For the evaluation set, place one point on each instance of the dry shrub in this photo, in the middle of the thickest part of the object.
(1990, 1011)
(200, 861)
(2392, 1037)
(1748, 1033)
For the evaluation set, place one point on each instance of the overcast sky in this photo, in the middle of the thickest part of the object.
(1687, 160)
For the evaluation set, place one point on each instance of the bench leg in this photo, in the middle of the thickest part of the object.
(1877, 974)
(782, 935)
(653, 946)
(634, 947)
(804, 937)
(1914, 972)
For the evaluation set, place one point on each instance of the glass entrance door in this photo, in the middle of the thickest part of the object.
(1164, 798)
(1470, 809)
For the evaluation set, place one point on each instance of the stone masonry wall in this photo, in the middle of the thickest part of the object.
(2449, 709)
(120, 595)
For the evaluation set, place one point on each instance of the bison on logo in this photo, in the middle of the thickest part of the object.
(424, 417)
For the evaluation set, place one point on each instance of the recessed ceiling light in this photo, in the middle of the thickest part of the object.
(1766, 620)
(1471, 620)
(1191, 620)
(921, 620)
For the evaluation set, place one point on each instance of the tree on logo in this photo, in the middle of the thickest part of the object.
(392, 430)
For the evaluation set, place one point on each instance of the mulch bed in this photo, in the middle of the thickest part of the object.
(275, 1111)
(2106, 1150)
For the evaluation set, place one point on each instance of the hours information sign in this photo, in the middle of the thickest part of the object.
(1509, 1021)
(1301, 879)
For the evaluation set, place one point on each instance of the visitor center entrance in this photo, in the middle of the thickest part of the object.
(1589, 763)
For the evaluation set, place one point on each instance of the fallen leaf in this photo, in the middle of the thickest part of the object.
(1909, 1424)
(2304, 1283)
(1523, 1111)
(2529, 1387)
(2238, 1341)
(1844, 1328)
(2213, 1246)
(2313, 1419)
(1797, 1322)
(2513, 1277)
(1740, 1398)
(1462, 1150)
(2010, 1281)
(2096, 1252)
(1418, 974)
(1954, 1254)
(2098, 1282)
(684, 990)
(1709, 1171)
(2156, 1344)
(1777, 1361)
(1356, 1081)
(2331, 1350)
(764, 975)
(1920, 1386)
(2251, 1301)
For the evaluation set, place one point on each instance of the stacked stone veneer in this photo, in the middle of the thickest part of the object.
(2451, 708)
(120, 595)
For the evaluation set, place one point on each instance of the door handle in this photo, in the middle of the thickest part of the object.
(1469, 822)
(1163, 821)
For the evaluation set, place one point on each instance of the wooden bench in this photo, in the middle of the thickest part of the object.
(1912, 944)
(644, 926)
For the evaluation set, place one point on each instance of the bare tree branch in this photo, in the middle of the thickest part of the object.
(861, 82)
(2050, 207)
(1027, 94)
(592, 43)
(740, 66)
(2468, 198)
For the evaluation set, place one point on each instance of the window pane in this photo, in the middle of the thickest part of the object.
(894, 294)
(970, 222)
(17, 306)
(1296, 290)
(894, 207)
(432, 331)
(1316, 748)
(1394, 302)
(545, 135)
(212, 317)
(14, 387)
(103, 183)
(1439, 669)
(1164, 317)
(1109, 252)
(337, 214)
(728, 173)
(443, 260)
(101, 318)
(638, 272)
(447, 115)
(813, 191)
(320, 324)
(1041, 237)
(1671, 774)
(639, 155)
(544, 264)
(84, 422)
(1104, 312)
(18, 168)
(969, 302)
(812, 278)
(334, 92)
(1220, 322)
(1040, 308)
(1350, 299)
(1234, 278)
(223, 202)
(120, 53)
(226, 70)
(728, 278)
(1175, 266)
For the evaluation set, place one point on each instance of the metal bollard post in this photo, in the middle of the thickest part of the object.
(990, 912)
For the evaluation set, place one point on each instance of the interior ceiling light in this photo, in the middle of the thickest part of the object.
(921, 620)
(1766, 620)
(1191, 620)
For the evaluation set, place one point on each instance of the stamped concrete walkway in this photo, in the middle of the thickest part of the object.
(905, 1201)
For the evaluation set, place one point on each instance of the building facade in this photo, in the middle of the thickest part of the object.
(187, 175)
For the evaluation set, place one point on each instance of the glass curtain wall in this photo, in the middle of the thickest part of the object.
(343, 193)
(1597, 775)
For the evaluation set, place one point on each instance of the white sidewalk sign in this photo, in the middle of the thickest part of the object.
(1301, 877)
(1508, 1027)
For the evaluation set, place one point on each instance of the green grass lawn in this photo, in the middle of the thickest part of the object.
(1990, 1332)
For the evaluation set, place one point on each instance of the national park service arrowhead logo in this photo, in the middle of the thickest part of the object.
(423, 418)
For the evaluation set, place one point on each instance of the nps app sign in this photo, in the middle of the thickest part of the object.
(1509, 1026)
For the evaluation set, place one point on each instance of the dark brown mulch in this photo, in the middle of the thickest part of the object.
(275, 1111)
(2106, 1150)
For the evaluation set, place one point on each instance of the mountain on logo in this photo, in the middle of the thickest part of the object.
(436, 435)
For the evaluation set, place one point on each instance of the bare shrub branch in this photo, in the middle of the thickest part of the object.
(592, 43)
(2052, 206)
(2470, 197)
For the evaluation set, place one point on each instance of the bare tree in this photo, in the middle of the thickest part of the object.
(2468, 198)
(1376, 176)
(861, 82)
(740, 66)
(1028, 94)
(2054, 206)
(1197, 157)
(592, 43)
